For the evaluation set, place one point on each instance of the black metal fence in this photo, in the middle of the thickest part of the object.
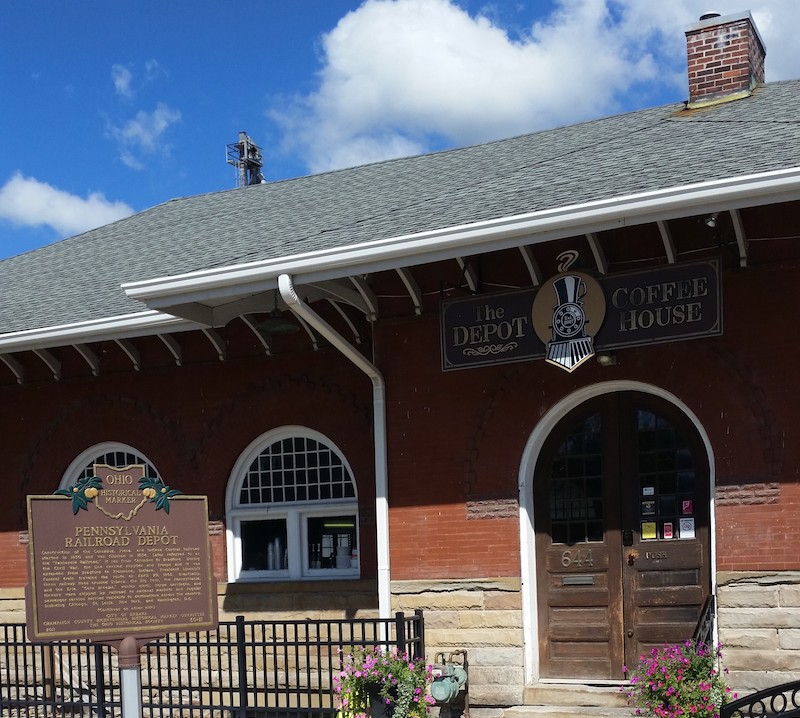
(244, 669)
(781, 701)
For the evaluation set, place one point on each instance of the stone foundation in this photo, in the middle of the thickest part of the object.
(12, 605)
(298, 600)
(759, 627)
(481, 616)
(290, 601)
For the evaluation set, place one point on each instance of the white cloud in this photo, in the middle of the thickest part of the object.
(407, 76)
(122, 78)
(27, 202)
(153, 70)
(144, 134)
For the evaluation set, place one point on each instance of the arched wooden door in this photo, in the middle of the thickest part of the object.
(621, 514)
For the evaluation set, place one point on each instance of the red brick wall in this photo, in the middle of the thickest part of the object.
(455, 439)
(14, 557)
(192, 422)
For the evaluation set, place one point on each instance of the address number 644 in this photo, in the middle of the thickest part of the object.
(577, 557)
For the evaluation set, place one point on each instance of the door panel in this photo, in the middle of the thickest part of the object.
(579, 572)
(621, 518)
(666, 572)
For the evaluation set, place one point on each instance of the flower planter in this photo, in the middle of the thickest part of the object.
(378, 707)
(369, 675)
(678, 680)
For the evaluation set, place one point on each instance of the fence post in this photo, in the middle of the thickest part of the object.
(48, 672)
(420, 631)
(400, 632)
(99, 680)
(241, 659)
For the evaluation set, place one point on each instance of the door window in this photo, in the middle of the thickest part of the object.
(576, 488)
(666, 479)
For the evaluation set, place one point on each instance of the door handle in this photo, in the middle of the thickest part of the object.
(630, 633)
(632, 556)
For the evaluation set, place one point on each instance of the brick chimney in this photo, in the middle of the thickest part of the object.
(726, 58)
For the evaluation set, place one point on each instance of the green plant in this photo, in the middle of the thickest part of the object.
(399, 681)
(678, 680)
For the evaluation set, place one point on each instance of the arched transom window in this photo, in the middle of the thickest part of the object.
(109, 453)
(292, 509)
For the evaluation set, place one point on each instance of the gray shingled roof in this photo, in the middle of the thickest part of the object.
(79, 279)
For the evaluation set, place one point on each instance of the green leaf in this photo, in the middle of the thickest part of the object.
(79, 501)
(162, 502)
(94, 482)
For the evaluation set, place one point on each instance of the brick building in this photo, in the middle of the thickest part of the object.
(542, 388)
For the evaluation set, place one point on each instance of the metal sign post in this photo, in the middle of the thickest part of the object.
(130, 678)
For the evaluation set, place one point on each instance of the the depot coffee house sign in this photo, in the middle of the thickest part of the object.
(574, 315)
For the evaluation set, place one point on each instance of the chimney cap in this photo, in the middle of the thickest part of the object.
(710, 19)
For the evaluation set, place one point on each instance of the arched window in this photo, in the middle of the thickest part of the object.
(110, 453)
(292, 509)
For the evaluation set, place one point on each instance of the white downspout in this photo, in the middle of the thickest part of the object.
(302, 310)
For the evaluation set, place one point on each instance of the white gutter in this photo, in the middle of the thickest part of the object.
(125, 326)
(491, 235)
(308, 315)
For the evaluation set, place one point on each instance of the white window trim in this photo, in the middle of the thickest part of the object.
(295, 513)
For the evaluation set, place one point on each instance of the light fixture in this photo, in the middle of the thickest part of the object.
(607, 359)
(277, 324)
(711, 220)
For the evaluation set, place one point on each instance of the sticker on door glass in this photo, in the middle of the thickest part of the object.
(648, 508)
(648, 530)
(666, 530)
(648, 491)
(687, 528)
(686, 507)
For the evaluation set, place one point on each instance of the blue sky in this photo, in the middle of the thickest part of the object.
(109, 108)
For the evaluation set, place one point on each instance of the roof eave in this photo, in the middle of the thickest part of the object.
(160, 294)
(450, 242)
(126, 326)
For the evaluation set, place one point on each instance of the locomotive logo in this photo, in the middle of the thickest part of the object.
(567, 313)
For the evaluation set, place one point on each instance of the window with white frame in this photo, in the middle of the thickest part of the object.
(110, 453)
(292, 509)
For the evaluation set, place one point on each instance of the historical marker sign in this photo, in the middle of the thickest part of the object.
(141, 569)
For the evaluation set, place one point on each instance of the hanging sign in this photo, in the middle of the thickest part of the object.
(574, 315)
